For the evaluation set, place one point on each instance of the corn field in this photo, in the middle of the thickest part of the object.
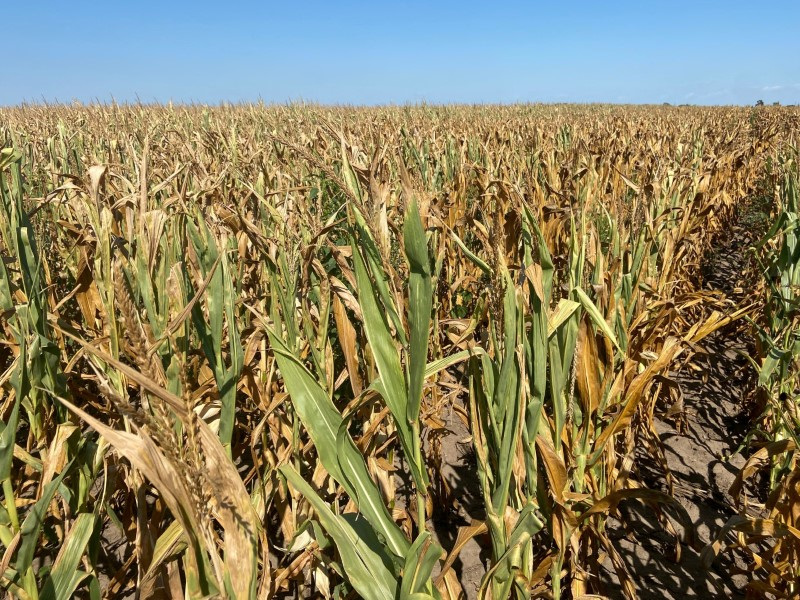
(240, 343)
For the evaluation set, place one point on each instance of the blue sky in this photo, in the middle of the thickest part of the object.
(396, 52)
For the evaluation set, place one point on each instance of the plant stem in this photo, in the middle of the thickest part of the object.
(11, 507)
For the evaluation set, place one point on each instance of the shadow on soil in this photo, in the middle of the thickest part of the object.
(701, 456)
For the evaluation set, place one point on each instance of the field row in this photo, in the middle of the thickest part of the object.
(236, 343)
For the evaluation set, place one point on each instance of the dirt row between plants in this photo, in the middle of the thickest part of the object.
(700, 449)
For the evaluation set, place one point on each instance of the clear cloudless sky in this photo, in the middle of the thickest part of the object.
(348, 51)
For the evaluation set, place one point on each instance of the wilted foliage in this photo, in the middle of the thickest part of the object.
(230, 334)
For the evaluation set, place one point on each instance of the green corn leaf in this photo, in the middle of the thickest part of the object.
(506, 399)
(372, 539)
(545, 259)
(597, 318)
(169, 544)
(536, 352)
(562, 351)
(220, 301)
(64, 577)
(7, 433)
(774, 358)
(31, 527)
(420, 304)
(364, 568)
(335, 447)
(564, 310)
(350, 175)
(422, 557)
(374, 265)
(441, 364)
(392, 385)
(479, 262)
(527, 525)
(235, 355)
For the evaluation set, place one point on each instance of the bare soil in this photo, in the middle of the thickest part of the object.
(460, 472)
(702, 455)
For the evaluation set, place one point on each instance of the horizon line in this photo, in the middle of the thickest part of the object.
(138, 103)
